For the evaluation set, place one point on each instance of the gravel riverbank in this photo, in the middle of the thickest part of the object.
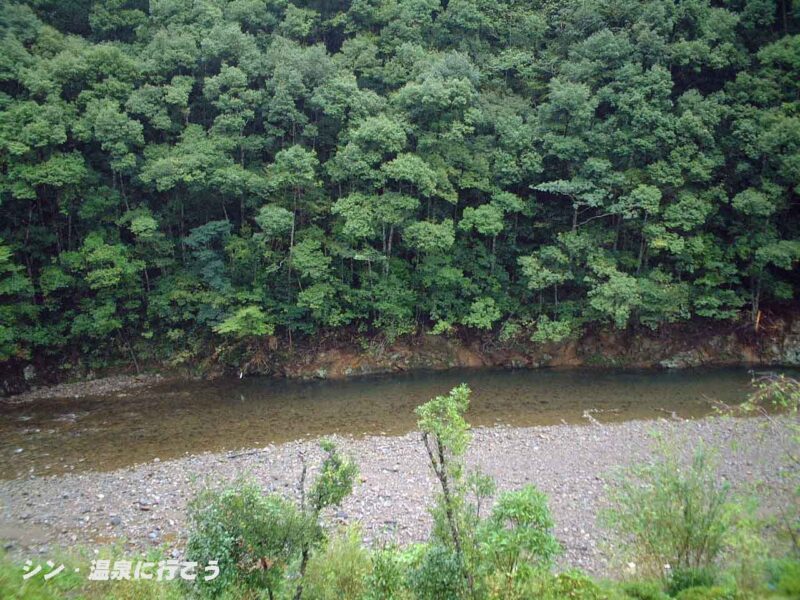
(145, 505)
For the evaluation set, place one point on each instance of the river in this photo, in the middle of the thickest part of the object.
(176, 418)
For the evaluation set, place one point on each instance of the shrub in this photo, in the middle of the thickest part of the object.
(439, 576)
(572, 584)
(785, 577)
(340, 570)
(706, 593)
(333, 484)
(644, 590)
(683, 579)
(519, 533)
(445, 435)
(256, 537)
(253, 536)
(387, 580)
(666, 513)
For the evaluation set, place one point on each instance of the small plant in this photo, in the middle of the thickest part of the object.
(340, 570)
(671, 517)
(683, 579)
(518, 536)
(644, 590)
(440, 575)
(387, 580)
(571, 584)
(333, 484)
(445, 435)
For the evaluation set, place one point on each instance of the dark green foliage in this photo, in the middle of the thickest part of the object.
(175, 176)
(684, 578)
(257, 538)
(706, 593)
(644, 590)
(439, 576)
(253, 536)
(785, 578)
(387, 580)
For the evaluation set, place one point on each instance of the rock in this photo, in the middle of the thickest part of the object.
(683, 360)
(29, 373)
(114, 521)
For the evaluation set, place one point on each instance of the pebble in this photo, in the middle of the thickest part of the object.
(571, 464)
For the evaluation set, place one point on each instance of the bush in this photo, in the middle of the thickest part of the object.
(387, 580)
(253, 536)
(666, 513)
(644, 590)
(256, 537)
(683, 579)
(439, 576)
(706, 593)
(340, 570)
(785, 578)
(572, 584)
(518, 536)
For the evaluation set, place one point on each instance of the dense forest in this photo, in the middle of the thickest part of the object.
(178, 173)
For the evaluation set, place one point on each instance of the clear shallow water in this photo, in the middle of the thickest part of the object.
(175, 418)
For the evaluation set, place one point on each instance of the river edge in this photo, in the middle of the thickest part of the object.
(144, 505)
(674, 346)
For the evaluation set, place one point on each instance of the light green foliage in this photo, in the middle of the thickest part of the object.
(274, 221)
(667, 513)
(571, 584)
(442, 420)
(340, 570)
(246, 322)
(427, 237)
(548, 330)
(335, 480)
(615, 295)
(518, 536)
(482, 314)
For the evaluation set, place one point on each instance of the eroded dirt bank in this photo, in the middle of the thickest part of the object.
(145, 505)
(678, 346)
(681, 345)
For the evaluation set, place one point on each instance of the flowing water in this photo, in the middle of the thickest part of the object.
(176, 418)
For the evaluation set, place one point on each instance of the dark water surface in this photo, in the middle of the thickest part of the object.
(171, 419)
